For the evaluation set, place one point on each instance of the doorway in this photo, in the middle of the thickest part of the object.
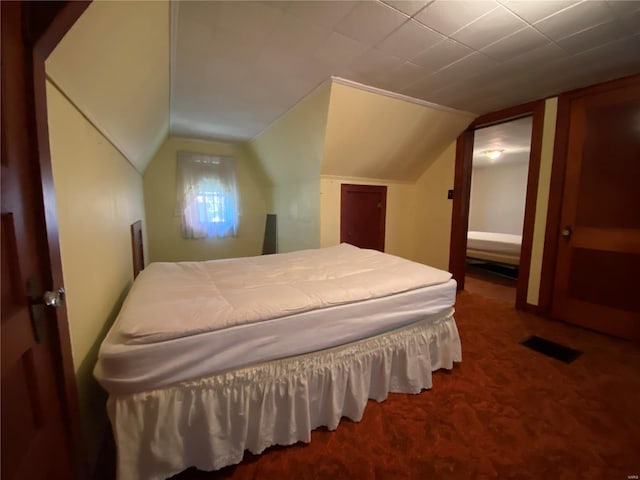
(500, 167)
(363, 215)
(462, 193)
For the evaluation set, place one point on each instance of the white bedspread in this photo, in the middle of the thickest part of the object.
(173, 300)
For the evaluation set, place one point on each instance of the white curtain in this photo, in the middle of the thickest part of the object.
(207, 199)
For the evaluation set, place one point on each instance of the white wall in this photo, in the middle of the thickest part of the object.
(498, 194)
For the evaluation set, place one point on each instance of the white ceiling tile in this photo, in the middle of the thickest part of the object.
(470, 65)
(622, 8)
(424, 87)
(338, 51)
(326, 14)
(533, 58)
(251, 20)
(409, 40)
(448, 16)
(532, 11)
(515, 44)
(406, 74)
(297, 73)
(575, 19)
(370, 22)
(625, 51)
(238, 65)
(375, 64)
(592, 37)
(631, 22)
(410, 7)
(295, 36)
(487, 29)
(441, 55)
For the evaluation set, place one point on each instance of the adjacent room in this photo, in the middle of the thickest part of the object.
(496, 211)
(321, 239)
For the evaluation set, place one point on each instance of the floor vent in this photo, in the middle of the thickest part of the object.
(551, 349)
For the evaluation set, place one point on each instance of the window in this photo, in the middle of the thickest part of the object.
(207, 199)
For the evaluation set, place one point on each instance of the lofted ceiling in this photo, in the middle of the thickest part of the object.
(141, 70)
(114, 67)
(238, 66)
(512, 138)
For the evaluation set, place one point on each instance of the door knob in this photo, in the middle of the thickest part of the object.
(566, 232)
(55, 298)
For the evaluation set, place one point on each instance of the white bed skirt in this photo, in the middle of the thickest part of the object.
(210, 422)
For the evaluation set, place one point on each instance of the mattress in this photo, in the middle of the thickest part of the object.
(155, 343)
(495, 242)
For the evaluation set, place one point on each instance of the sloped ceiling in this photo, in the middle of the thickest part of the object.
(240, 65)
(291, 150)
(114, 66)
(218, 70)
(378, 136)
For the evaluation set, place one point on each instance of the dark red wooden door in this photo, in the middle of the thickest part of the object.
(362, 215)
(35, 435)
(598, 259)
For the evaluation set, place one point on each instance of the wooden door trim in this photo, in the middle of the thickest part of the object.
(462, 192)
(46, 25)
(552, 231)
(461, 202)
(350, 187)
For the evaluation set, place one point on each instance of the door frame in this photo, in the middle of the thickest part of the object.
(462, 192)
(45, 25)
(556, 188)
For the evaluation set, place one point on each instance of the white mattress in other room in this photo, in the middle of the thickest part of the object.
(502, 243)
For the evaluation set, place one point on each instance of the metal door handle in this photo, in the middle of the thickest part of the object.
(566, 232)
(55, 298)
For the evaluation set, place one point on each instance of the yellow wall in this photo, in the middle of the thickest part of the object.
(99, 194)
(163, 225)
(542, 202)
(433, 210)
(114, 65)
(400, 227)
(371, 135)
(290, 152)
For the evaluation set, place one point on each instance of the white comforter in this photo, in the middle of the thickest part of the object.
(172, 300)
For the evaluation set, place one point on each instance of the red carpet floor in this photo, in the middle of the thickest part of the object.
(504, 412)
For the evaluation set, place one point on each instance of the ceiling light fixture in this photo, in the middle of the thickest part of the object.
(493, 154)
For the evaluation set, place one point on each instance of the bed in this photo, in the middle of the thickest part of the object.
(209, 359)
(502, 248)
